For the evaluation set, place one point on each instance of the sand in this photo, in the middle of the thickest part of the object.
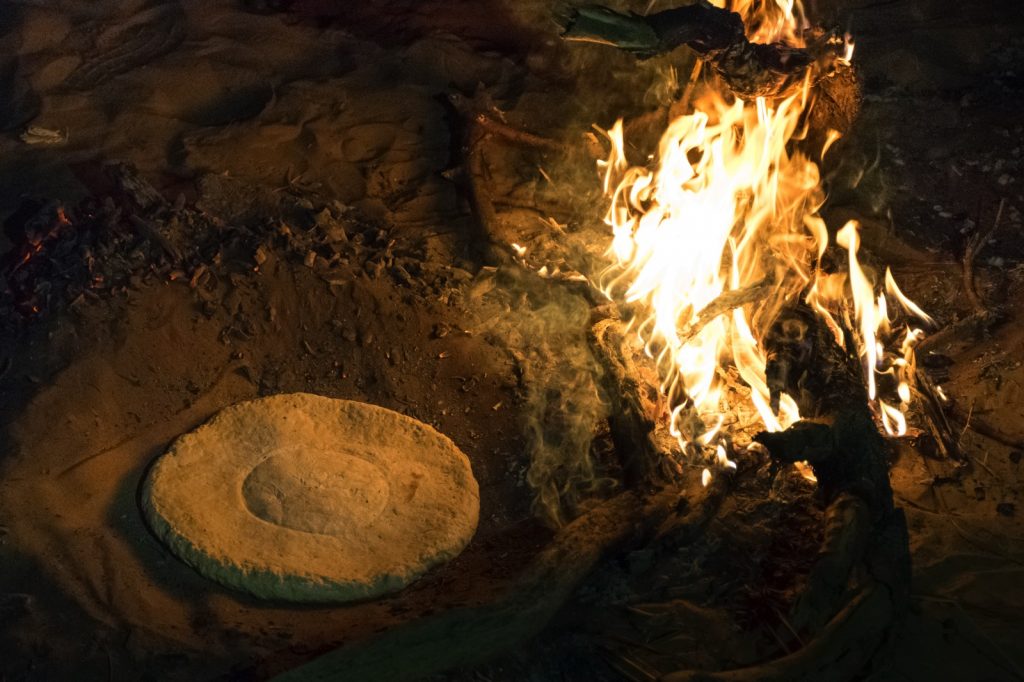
(204, 97)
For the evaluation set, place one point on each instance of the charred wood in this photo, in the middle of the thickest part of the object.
(468, 636)
(847, 526)
(861, 578)
(480, 197)
(718, 36)
(135, 187)
(630, 426)
(725, 302)
(838, 437)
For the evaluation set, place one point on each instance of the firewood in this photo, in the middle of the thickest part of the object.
(631, 428)
(725, 302)
(863, 529)
(974, 245)
(133, 185)
(718, 36)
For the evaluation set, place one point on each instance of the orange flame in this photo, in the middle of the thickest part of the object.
(727, 205)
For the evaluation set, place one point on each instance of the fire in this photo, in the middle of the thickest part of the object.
(728, 207)
(770, 21)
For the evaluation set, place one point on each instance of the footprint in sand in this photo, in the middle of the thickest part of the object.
(151, 32)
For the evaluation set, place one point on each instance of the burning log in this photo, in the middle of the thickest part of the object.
(860, 581)
(775, 70)
(974, 246)
(648, 513)
(630, 426)
(863, 528)
(749, 69)
(837, 436)
(726, 301)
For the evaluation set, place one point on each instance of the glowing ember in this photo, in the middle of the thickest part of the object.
(728, 206)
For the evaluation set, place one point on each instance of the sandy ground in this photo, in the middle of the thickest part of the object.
(158, 369)
(241, 113)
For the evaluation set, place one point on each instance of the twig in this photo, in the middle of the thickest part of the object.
(644, 670)
(626, 666)
(475, 113)
(479, 197)
(789, 626)
(974, 246)
(984, 466)
(975, 424)
(778, 639)
(967, 425)
(684, 100)
(935, 416)
(726, 301)
(522, 137)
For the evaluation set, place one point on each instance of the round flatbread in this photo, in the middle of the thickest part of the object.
(312, 499)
